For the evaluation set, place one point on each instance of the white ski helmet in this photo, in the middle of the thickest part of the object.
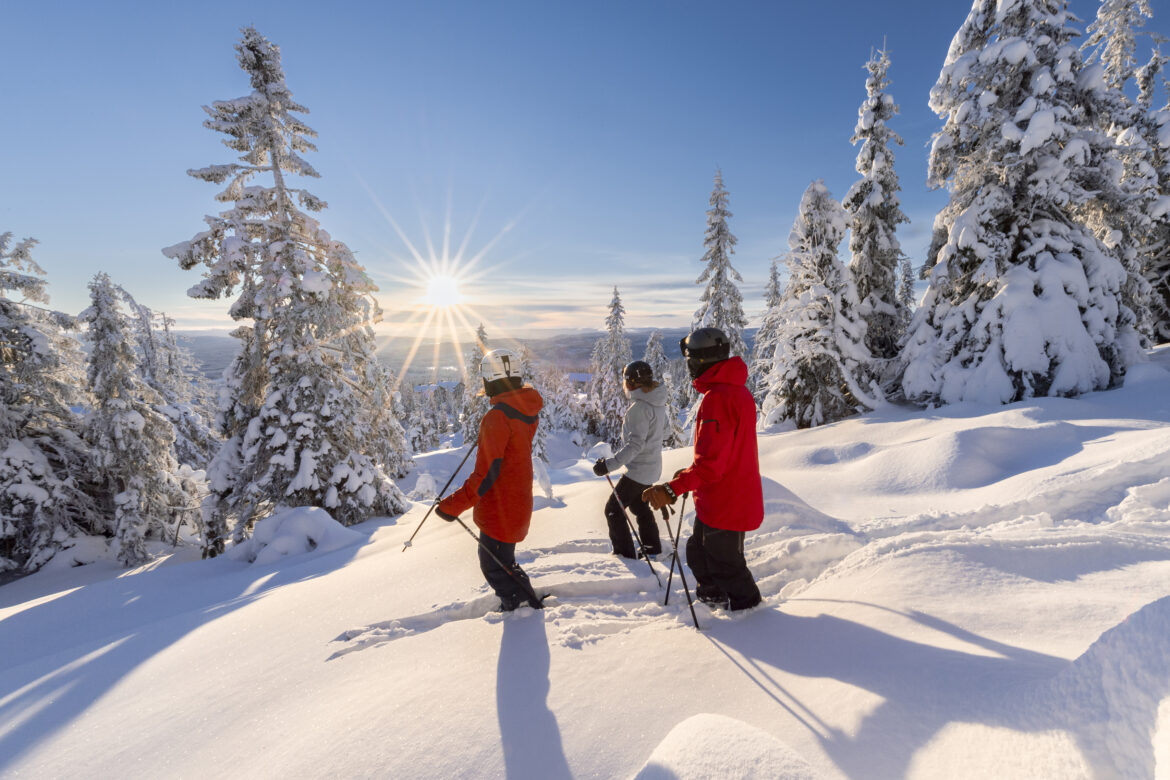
(499, 364)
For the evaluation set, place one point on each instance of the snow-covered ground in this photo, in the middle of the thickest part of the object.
(962, 592)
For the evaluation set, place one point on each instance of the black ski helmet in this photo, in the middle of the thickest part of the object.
(638, 372)
(703, 348)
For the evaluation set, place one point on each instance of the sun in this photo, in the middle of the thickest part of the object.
(442, 291)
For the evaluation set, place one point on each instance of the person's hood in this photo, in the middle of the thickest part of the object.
(655, 396)
(732, 371)
(525, 400)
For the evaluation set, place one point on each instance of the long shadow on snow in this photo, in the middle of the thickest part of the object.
(60, 657)
(529, 733)
(923, 687)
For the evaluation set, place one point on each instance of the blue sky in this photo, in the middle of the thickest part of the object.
(571, 146)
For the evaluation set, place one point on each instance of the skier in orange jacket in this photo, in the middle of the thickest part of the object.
(500, 487)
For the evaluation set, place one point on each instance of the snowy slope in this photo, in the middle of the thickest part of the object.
(961, 592)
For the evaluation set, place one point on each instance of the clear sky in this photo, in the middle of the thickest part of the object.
(570, 146)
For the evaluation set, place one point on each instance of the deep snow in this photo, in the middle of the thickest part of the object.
(962, 592)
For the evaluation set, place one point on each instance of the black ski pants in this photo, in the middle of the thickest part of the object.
(716, 558)
(508, 581)
(630, 493)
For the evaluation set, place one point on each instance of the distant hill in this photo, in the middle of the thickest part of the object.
(568, 351)
(213, 351)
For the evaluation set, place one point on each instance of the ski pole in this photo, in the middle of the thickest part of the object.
(440, 496)
(634, 531)
(683, 576)
(674, 548)
(525, 585)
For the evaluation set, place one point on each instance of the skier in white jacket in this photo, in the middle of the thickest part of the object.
(643, 431)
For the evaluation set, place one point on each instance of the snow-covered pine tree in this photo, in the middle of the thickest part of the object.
(46, 492)
(560, 399)
(296, 418)
(531, 376)
(666, 373)
(446, 412)
(721, 304)
(1126, 183)
(1112, 38)
(475, 402)
(1023, 299)
(820, 362)
(190, 399)
(875, 213)
(1143, 136)
(386, 437)
(170, 370)
(1155, 128)
(764, 348)
(132, 444)
(906, 293)
(610, 355)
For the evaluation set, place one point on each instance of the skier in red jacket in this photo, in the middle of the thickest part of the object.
(500, 487)
(724, 476)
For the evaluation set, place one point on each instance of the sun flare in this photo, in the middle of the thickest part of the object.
(442, 291)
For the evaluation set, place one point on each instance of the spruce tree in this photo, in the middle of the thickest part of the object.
(875, 213)
(387, 441)
(1112, 38)
(475, 402)
(560, 399)
(132, 443)
(1023, 299)
(906, 293)
(820, 361)
(46, 489)
(721, 304)
(533, 377)
(1127, 184)
(610, 356)
(296, 422)
(764, 348)
(170, 370)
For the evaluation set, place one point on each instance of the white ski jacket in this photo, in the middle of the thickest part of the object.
(643, 431)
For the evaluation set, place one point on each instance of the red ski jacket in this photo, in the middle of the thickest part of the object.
(725, 474)
(500, 487)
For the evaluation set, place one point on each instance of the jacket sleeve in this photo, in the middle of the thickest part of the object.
(635, 432)
(712, 446)
(493, 440)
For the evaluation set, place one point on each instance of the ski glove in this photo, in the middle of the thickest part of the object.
(658, 496)
(445, 516)
(599, 468)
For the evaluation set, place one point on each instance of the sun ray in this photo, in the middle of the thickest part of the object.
(459, 361)
(471, 229)
(414, 348)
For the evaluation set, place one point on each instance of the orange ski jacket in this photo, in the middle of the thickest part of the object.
(500, 487)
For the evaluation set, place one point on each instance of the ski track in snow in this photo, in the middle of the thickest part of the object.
(597, 595)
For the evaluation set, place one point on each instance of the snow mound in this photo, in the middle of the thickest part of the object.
(715, 746)
(79, 551)
(599, 450)
(294, 531)
(426, 488)
(1112, 695)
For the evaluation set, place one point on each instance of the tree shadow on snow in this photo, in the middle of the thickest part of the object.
(529, 733)
(60, 657)
(923, 687)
